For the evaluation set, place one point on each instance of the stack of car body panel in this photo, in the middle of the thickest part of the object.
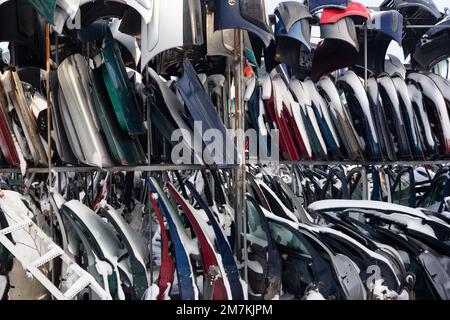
(313, 94)
(326, 111)
(332, 249)
(175, 235)
(335, 240)
(394, 119)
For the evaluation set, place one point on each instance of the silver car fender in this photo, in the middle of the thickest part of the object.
(167, 27)
(73, 78)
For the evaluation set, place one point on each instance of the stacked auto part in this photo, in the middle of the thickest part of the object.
(205, 150)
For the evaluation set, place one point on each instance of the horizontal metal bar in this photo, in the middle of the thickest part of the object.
(173, 167)
(419, 26)
(412, 26)
(150, 168)
(369, 163)
(406, 26)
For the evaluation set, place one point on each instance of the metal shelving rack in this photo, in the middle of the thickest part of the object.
(174, 167)
(368, 163)
(149, 168)
(239, 169)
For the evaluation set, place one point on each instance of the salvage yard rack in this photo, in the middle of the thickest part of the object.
(239, 170)
(183, 167)
(149, 168)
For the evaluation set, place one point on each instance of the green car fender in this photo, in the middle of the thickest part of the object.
(119, 88)
(45, 8)
(125, 149)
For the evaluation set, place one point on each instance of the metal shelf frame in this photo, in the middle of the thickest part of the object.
(148, 168)
(239, 183)
(183, 167)
(368, 163)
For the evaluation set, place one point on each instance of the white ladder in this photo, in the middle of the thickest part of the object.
(79, 278)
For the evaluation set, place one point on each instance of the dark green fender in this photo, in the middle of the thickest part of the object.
(119, 88)
(45, 8)
(125, 150)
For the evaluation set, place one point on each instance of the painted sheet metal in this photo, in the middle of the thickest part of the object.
(391, 104)
(273, 263)
(78, 113)
(63, 146)
(293, 35)
(45, 8)
(9, 148)
(415, 12)
(341, 119)
(101, 240)
(223, 246)
(167, 269)
(176, 25)
(385, 27)
(357, 11)
(278, 110)
(315, 139)
(436, 109)
(324, 119)
(119, 88)
(183, 246)
(380, 120)
(409, 117)
(177, 111)
(433, 47)
(424, 124)
(316, 5)
(212, 267)
(249, 15)
(137, 251)
(14, 90)
(338, 49)
(202, 109)
(355, 100)
(125, 150)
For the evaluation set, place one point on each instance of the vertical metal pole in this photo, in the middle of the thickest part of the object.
(49, 118)
(237, 172)
(230, 125)
(227, 112)
(49, 138)
(12, 50)
(240, 174)
(110, 176)
(365, 56)
(212, 185)
(149, 147)
(243, 166)
(237, 83)
(58, 175)
(150, 249)
(149, 126)
(91, 175)
(56, 49)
